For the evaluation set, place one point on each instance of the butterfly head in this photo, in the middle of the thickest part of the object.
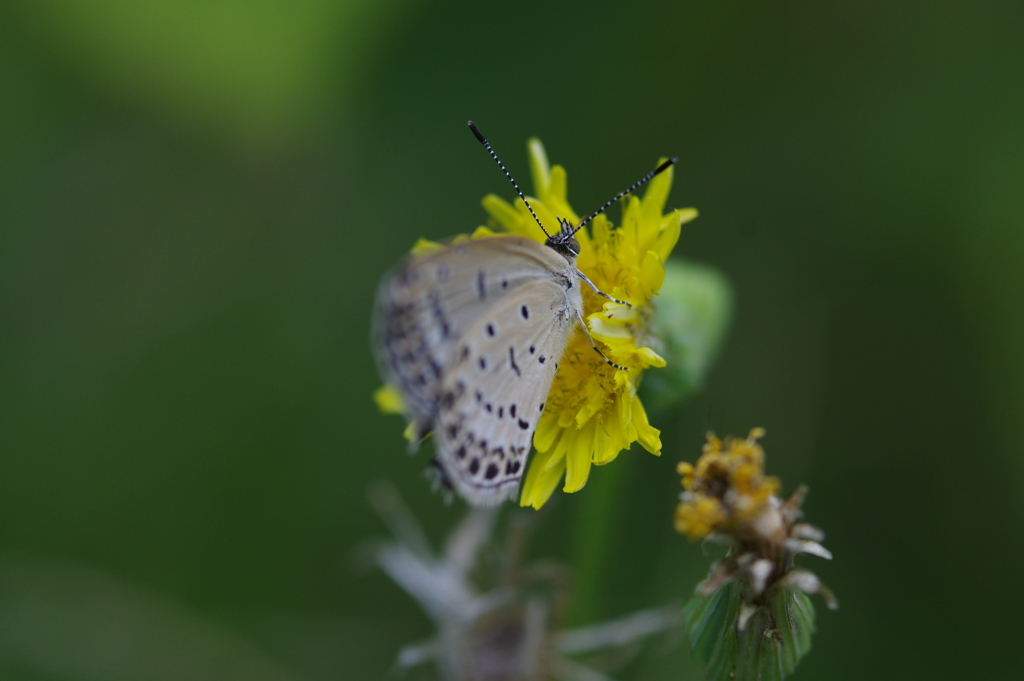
(564, 242)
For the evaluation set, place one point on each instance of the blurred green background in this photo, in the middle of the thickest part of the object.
(198, 198)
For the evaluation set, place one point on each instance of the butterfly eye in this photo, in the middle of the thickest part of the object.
(573, 246)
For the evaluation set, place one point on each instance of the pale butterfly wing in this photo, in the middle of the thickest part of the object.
(425, 305)
(493, 394)
(434, 305)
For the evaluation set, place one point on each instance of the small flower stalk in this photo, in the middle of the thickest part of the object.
(752, 618)
(496, 618)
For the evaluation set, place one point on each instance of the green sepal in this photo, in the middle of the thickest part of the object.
(691, 317)
(769, 647)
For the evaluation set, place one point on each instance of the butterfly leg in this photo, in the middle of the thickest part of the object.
(598, 291)
(586, 332)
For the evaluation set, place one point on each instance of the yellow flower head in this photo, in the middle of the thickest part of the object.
(593, 412)
(727, 490)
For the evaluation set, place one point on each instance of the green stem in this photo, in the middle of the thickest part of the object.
(593, 541)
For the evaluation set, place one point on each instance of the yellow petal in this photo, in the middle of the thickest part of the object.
(666, 241)
(540, 482)
(544, 214)
(540, 170)
(602, 328)
(657, 194)
(606, 448)
(502, 211)
(586, 245)
(649, 358)
(618, 439)
(556, 455)
(602, 229)
(648, 231)
(652, 273)
(686, 214)
(423, 247)
(624, 314)
(625, 416)
(389, 400)
(630, 230)
(555, 197)
(588, 410)
(547, 431)
(648, 436)
(623, 384)
(577, 460)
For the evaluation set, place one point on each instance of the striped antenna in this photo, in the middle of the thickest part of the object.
(639, 183)
(487, 146)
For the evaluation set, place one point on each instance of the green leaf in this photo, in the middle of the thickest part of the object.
(691, 317)
(774, 640)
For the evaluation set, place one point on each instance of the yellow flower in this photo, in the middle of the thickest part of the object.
(592, 412)
(727, 491)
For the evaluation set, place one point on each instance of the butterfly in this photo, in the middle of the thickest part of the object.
(471, 336)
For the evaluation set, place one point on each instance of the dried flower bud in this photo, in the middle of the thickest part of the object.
(751, 618)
